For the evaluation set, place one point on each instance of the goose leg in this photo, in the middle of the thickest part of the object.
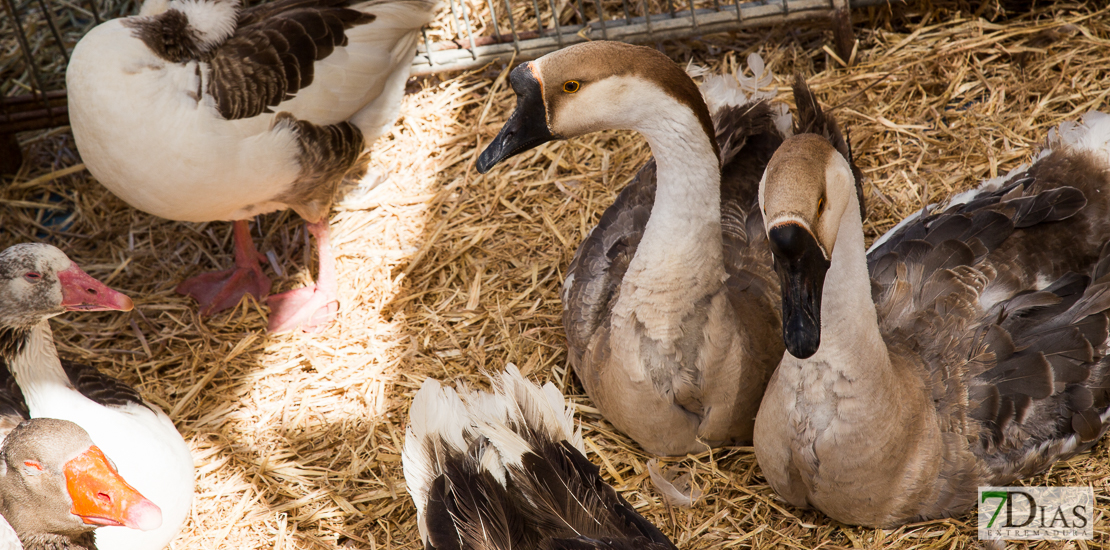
(310, 308)
(221, 290)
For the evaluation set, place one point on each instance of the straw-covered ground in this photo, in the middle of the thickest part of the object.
(445, 272)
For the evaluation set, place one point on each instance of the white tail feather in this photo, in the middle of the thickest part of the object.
(437, 420)
(442, 418)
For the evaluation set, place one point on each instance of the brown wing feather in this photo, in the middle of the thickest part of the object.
(273, 51)
(99, 387)
(1015, 369)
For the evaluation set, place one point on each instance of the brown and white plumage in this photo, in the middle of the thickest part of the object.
(506, 469)
(37, 282)
(200, 110)
(975, 352)
(670, 304)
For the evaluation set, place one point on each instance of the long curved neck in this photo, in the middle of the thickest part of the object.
(849, 323)
(38, 371)
(857, 390)
(679, 255)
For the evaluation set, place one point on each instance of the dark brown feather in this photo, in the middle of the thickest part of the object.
(273, 51)
(101, 388)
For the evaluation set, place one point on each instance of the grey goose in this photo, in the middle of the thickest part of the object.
(671, 304)
(56, 487)
(967, 348)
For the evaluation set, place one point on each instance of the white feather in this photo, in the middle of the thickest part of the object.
(213, 21)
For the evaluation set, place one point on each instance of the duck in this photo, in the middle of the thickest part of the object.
(967, 347)
(37, 282)
(507, 469)
(671, 304)
(56, 487)
(205, 110)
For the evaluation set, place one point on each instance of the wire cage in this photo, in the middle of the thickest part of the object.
(475, 33)
(36, 37)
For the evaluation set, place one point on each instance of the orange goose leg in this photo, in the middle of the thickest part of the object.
(220, 290)
(310, 308)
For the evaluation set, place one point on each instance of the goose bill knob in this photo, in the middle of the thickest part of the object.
(81, 292)
(102, 497)
(527, 127)
(801, 265)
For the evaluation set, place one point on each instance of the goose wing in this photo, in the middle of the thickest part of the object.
(595, 274)
(571, 502)
(748, 137)
(13, 409)
(1012, 351)
(102, 389)
(273, 51)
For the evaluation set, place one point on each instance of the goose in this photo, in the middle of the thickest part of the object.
(967, 348)
(201, 110)
(507, 469)
(38, 281)
(56, 486)
(670, 304)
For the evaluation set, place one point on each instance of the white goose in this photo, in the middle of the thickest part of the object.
(967, 348)
(37, 282)
(197, 110)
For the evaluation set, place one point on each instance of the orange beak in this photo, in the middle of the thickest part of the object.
(82, 292)
(101, 497)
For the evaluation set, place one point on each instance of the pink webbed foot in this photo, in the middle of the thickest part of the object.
(310, 308)
(222, 290)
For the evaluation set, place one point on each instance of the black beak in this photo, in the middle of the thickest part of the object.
(526, 128)
(801, 266)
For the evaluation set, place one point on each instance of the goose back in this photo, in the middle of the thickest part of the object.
(1010, 341)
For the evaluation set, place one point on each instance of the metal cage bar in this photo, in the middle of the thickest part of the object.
(649, 28)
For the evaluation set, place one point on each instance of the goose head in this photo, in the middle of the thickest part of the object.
(590, 87)
(38, 281)
(804, 192)
(55, 480)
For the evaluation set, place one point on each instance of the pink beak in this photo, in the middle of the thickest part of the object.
(80, 292)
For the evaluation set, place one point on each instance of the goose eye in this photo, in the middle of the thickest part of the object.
(571, 86)
(32, 277)
(32, 467)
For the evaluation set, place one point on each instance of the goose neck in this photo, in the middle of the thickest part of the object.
(37, 369)
(684, 229)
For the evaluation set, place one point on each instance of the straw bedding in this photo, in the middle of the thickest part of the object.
(445, 272)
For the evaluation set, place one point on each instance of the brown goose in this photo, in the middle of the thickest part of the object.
(975, 352)
(38, 281)
(200, 110)
(56, 487)
(506, 470)
(670, 304)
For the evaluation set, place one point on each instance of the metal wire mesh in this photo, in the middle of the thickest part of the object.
(37, 35)
(480, 31)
